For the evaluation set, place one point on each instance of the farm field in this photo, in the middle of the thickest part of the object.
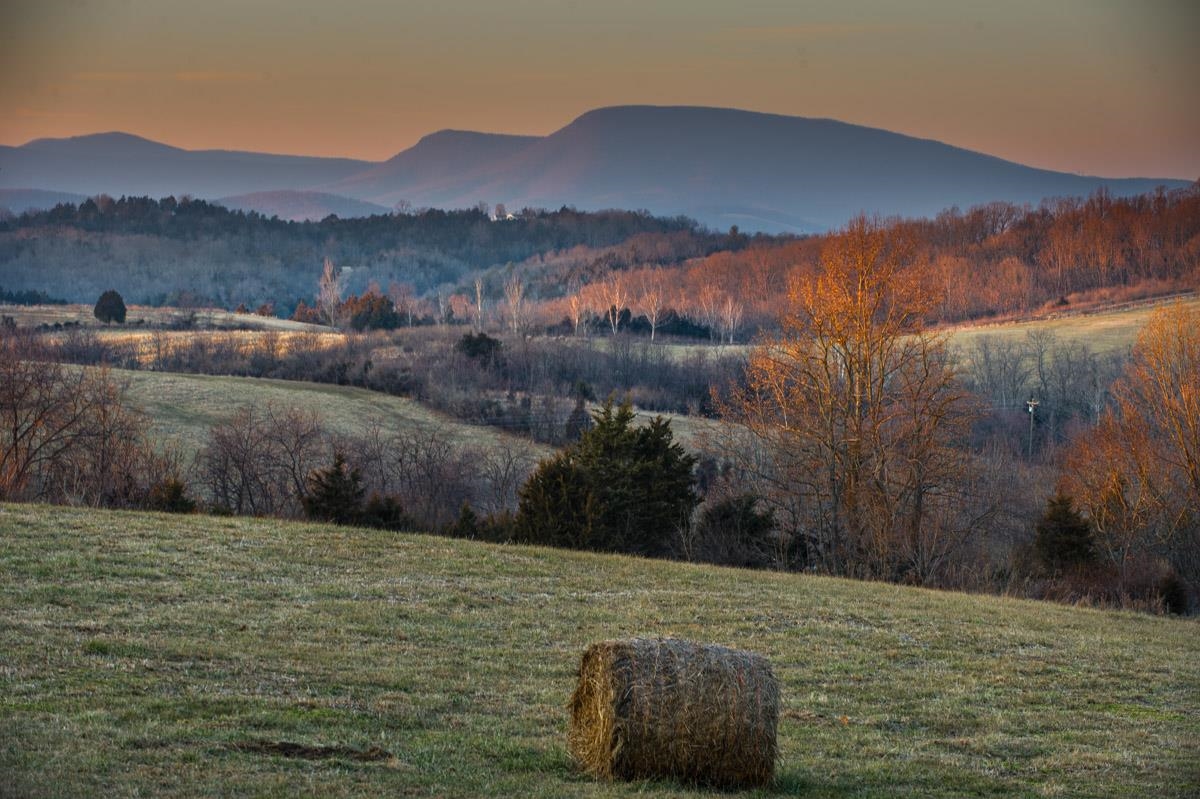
(1103, 331)
(34, 315)
(1113, 330)
(144, 654)
(182, 407)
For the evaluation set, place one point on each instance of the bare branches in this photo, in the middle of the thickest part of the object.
(331, 289)
(514, 296)
(857, 411)
(1137, 473)
(66, 433)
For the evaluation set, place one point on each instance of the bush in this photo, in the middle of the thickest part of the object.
(110, 308)
(170, 496)
(734, 532)
(479, 347)
(387, 513)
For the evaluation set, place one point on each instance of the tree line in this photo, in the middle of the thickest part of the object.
(190, 251)
(995, 260)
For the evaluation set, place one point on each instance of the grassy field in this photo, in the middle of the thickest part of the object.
(147, 655)
(182, 408)
(1104, 331)
(33, 315)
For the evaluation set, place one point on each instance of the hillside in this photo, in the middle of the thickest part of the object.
(1102, 330)
(18, 201)
(181, 656)
(183, 407)
(438, 171)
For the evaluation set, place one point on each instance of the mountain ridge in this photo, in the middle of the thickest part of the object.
(721, 166)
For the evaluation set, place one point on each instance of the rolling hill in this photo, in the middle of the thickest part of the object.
(302, 206)
(123, 164)
(18, 201)
(720, 166)
(440, 170)
(196, 656)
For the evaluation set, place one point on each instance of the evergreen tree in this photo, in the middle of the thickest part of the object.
(1064, 537)
(579, 421)
(467, 525)
(620, 488)
(110, 308)
(335, 494)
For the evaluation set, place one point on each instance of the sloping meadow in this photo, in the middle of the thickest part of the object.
(143, 654)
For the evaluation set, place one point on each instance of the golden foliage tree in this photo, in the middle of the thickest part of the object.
(852, 412)
(1137, 472)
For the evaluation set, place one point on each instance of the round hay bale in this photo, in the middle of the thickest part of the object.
(670, 708)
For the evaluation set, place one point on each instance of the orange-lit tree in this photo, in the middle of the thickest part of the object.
(1137, 472)
(852, 413)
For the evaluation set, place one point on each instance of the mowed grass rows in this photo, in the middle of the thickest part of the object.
(143, 654)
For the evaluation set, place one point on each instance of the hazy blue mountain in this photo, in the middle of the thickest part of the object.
(437, 171)
(721, 166)
(759, 171)
(302, 206)
(119, 163)
(20, 200)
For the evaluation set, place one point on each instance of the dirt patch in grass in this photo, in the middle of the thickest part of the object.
(371, 754)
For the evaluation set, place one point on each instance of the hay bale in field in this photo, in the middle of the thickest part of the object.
(677, 709)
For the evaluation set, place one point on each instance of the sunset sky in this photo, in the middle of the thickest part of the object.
(1094, 86)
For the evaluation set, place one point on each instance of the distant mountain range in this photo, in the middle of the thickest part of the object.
(722, 167)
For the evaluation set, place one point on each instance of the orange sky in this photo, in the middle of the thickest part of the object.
(1103, 87)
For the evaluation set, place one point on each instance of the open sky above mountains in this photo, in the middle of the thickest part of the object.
(1072, 85)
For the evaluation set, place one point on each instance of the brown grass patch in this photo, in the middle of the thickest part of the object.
(305, 752)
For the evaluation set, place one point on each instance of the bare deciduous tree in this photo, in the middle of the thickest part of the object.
(576, 309)
(729, 317)
(1137, 473)
(478, 304)
(514, 296)
(706, 304)
(615, 296)
(258, 461)
(330, 291)
(855, 411)
(652, 297)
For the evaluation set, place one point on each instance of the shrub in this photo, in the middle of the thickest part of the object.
(385, 512)
(479, 347)
(110, 308)
(170, 496)
(735, 532)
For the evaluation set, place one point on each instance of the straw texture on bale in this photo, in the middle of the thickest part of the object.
(698, 713)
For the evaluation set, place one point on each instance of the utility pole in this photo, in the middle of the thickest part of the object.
(1032, 404)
